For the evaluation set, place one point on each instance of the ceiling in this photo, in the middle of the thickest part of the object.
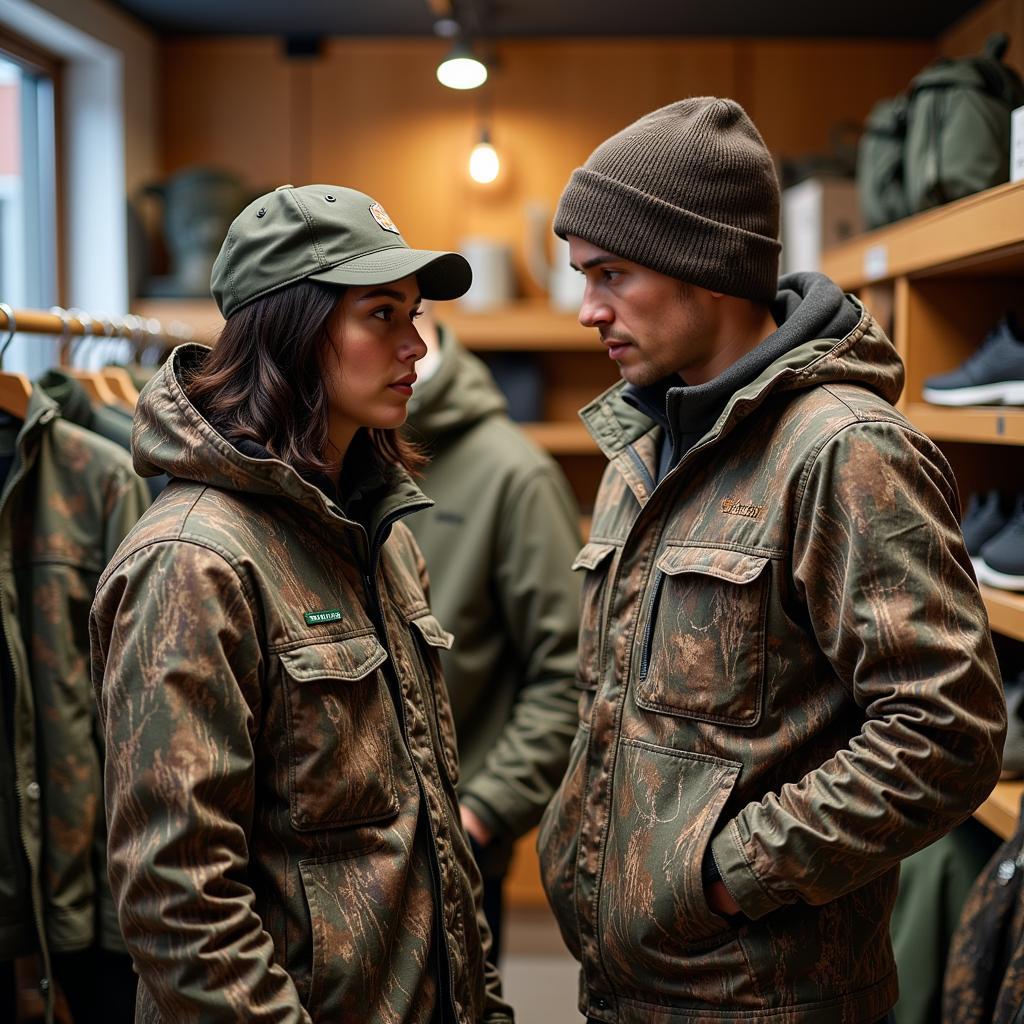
(908, 19)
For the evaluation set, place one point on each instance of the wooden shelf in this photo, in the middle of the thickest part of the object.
(999, 811)
(1005, 611)
(987, 424)
(562, 438)
(526, 326)
(978, 235)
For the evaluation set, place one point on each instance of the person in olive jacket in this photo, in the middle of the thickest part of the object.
(791, 680)
(284, 832)
(499, 544)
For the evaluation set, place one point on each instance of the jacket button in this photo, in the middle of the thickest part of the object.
(601, 1004)
(32, 790)
(44, 984)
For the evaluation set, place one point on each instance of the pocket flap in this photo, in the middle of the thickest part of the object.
(733, 566)
(352, 658)
(592, 555)
(433, 632)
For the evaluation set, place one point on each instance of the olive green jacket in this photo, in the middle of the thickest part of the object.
(784, 658)
(499, 543)
(67, 501)
(284, 840)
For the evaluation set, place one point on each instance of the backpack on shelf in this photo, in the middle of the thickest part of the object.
(958, 126)
(880, 164)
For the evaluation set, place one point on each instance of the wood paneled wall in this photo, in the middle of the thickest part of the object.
(370, 113)
(969, 35)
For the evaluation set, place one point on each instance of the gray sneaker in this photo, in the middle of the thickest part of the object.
(1002, 558)
(986, 515)
(993, 375)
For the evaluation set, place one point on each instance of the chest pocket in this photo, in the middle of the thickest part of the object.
(339, 734)
(702, 644)
(595, 560)
(432, 638)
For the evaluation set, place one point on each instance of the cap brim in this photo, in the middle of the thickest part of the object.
(441, 275)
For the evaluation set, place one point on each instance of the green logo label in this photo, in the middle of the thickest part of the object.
(317, 618)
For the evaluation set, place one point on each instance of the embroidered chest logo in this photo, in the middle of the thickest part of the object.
(731, 507)
(318, 618)
(381, 217)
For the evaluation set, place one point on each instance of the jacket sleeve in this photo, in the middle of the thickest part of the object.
(880, 568)
(176, 664)
(539, 596)
(125, 498)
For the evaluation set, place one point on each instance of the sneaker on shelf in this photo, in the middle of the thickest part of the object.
(1013, 747)
(993, 375)
(1001, 563)
(986, 515)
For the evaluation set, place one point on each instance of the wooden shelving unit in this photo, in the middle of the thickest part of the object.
(979, 234)
(1005, 611)
(949, 274)
(562, 438)
(999, 812)
(984, 425)
(530, 325)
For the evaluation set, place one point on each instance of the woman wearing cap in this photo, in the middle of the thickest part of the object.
(284, 837)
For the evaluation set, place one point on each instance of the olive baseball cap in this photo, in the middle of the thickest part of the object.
(324, 233)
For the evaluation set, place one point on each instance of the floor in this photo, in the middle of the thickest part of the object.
(539, 975)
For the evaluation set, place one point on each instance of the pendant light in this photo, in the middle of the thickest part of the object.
(484, 165)
(461, 69)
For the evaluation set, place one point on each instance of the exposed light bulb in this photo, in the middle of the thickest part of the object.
(461, 70)
(484, 164)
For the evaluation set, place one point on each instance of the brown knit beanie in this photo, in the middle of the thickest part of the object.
(688, 190)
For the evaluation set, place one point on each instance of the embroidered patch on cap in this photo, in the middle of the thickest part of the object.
(381, 217)
(317, 618)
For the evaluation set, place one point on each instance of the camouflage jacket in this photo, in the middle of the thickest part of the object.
(284, 836)
(68, 499)
(783, 657)
(984, 980)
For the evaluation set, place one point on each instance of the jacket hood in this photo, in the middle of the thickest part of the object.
(171, 435)
(824, 337)
(836, 340)
(460, 393)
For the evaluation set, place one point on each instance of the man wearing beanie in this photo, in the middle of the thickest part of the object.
(788, 681)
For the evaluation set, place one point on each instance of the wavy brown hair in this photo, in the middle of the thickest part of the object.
(264, 381)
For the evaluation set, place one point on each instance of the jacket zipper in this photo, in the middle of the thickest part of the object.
(643, 466)
(369, 581)
(645, 657)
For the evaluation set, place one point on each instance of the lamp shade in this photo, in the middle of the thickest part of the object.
(461, 70)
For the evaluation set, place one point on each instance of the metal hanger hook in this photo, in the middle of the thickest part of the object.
(86, 320)
(65, 329)
(13, 329)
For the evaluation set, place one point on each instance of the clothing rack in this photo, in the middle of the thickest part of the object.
(111, 385)
(63, 323)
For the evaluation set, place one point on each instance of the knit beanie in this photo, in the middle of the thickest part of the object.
(690, 191)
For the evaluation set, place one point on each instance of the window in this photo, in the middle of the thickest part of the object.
(28, 199)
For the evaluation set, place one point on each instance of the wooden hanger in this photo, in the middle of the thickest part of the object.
(95, 386)
(15, 388)
(122, 385)
(92, 381)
